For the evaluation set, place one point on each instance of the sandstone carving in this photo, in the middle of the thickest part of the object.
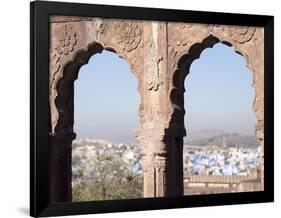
(183, 37)
(67, 40)
(128, 35)
(55, 66)
(100, 26)
(156, 82)
(242, 34)
(154, 85)
(161, 168)
(159, 54)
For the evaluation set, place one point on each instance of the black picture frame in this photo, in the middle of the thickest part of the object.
(40, 118)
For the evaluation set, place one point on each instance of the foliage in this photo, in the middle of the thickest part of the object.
(105, 177)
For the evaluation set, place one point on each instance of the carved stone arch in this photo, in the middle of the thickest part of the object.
(194, 38)
(65, 85)
(246, 41)
(80, 46)
(178, 77)
(65, 88)
(71, 47)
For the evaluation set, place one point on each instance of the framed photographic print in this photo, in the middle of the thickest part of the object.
(141, 109)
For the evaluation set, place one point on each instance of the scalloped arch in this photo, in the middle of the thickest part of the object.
(182, 70)
(64, 99)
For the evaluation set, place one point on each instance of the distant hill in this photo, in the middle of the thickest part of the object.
(203, 134)
(226, 139)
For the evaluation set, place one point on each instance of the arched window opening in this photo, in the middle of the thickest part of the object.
(221, 144)
(105, 155)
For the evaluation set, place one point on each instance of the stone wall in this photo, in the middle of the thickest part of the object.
(211, 184)
(159, 55)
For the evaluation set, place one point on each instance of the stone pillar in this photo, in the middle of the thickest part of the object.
(154, 162)
(161, 147)
(174, 141)
(60, 167)
(162, 162)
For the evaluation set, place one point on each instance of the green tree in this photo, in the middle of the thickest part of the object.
(105, 177)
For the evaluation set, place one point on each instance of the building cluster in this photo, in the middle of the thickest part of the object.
(83, 150)
(225, 161)
(198, 160)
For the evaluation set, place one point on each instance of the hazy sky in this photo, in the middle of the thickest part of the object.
(219, 93)
(218, 96)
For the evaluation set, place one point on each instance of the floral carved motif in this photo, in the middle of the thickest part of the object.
(242, 34)
(66, 40)
(127, 35)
